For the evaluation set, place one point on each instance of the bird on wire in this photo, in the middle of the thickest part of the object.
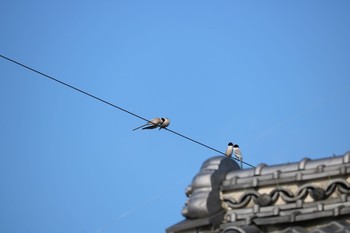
(237, 152)
(229, 150)
(165, 123)
(155, 123)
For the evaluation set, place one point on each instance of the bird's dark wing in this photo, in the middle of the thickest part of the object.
(150, 127)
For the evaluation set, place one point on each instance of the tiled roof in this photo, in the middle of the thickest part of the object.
(293, 197)
(341, 226)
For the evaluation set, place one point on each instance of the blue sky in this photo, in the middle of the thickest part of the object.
(272, 76)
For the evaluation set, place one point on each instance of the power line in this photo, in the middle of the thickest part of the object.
(113, 105)
(199, 143)
(72, 87)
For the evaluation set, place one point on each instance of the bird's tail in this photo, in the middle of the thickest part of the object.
(150, 127)
(240, 160)
(139, 127)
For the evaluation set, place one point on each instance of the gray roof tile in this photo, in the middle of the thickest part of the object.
(269, 198)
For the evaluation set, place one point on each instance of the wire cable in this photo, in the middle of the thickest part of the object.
(211, 148)
(113, 105)
(72, 87)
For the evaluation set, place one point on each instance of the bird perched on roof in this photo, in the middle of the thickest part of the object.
(238, 153)
(155, 123)
(229, 150)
